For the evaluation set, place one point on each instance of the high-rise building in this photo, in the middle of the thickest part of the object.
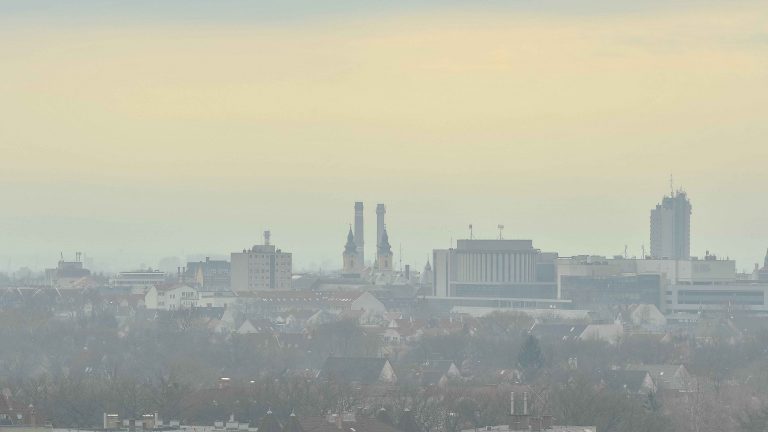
(671, 227)
(359, 233)
(263, 267)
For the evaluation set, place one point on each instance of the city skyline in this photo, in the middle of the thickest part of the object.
(563, 202)
(112, 263)
(171, 133)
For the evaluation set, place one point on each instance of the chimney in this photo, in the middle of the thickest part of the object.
(381, 210)
(267, 236)
(359, 234)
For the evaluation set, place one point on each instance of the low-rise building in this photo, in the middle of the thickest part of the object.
(358, 371)
(138, 278)
(210, 275)
(171, 297)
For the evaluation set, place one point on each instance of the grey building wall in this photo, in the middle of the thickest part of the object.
(671, 228)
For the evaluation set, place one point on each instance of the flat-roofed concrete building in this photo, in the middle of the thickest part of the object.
(681, 284)
(493, 268)
(210, 275)
(138, 278)
(260, 268)
(734, 296)
(689, 271)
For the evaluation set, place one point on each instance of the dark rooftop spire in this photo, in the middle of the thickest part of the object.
(384, 247)
(350, 247)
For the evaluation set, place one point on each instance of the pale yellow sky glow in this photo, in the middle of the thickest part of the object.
(152, 140)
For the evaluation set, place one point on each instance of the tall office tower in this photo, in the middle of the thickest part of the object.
(380, 212)
(359, 234)
(671, 227)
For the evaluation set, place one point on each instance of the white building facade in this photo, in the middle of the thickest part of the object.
(170, 298)
(488, 268)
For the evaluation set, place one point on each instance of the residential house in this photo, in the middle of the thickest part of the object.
(358, 370)
(643, 317)
(610, 333)
(13, 413)
(169, 297)
(630, 382)
(669, 377)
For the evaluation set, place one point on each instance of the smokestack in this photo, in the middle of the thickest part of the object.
(359, 234)
(381, 210)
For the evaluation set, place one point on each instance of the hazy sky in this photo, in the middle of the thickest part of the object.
(143, 129)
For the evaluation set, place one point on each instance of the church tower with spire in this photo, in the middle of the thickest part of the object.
(384, 254)
(350, 255)
(426, 275)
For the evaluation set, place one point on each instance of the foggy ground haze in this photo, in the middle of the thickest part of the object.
(383, 216)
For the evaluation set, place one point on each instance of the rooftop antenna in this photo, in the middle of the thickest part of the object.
(501, 231)
(671, 186)
(471, 236)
